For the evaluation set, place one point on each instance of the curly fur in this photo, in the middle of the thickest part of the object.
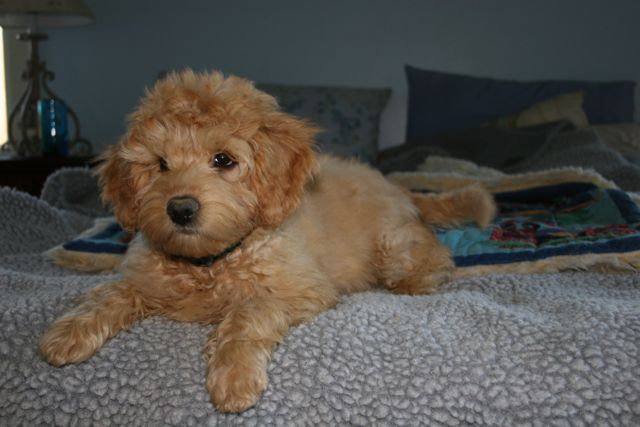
(311, 228)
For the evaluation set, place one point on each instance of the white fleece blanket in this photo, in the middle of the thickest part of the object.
(549, 349)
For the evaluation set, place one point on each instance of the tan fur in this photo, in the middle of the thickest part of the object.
(453, 208)
(312, 228)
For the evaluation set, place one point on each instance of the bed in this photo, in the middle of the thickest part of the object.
(529, 340)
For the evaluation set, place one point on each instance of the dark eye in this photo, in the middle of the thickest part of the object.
(223, 161)
(163, 165)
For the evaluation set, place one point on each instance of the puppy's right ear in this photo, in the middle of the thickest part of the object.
(114, 174)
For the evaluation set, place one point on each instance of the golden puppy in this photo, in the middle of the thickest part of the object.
(242, 225)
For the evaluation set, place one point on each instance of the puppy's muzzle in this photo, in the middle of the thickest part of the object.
(183, 210)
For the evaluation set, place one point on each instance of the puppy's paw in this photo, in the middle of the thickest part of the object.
(419, 285)
(68, 341)
(236, 388)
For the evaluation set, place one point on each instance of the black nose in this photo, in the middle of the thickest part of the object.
(182, 209)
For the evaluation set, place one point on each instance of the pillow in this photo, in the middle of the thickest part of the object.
(349, 117)
(564, 107)
(440, 102)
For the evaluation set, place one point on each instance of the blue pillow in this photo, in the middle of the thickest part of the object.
(440, 102)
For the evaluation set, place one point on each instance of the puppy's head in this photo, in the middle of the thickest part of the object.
(206, 159)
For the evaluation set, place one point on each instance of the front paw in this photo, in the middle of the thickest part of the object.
(68, 341)
(236, 388)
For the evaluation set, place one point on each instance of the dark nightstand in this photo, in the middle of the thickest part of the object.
(29, 174)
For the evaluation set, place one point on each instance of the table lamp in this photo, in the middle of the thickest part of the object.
(32, 15)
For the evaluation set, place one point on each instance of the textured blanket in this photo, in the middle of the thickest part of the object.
(521, 150)
(581, 148)
(549, 349)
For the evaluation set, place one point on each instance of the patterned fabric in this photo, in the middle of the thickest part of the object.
(543, 222)
(349, 117)
(107, 238)
(534, 224)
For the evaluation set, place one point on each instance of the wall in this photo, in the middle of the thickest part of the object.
(102, 69)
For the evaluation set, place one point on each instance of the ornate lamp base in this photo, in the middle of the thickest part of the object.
(24, 137)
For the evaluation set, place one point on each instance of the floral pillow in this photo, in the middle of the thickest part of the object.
(349, 117)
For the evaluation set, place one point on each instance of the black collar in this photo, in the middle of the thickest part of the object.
(207, 261)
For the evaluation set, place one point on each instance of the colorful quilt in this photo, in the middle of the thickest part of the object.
(542, 222)
(546, 228)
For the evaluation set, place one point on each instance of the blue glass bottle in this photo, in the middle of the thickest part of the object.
(52, 114)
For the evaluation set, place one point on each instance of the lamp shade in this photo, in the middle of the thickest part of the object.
(44, 13)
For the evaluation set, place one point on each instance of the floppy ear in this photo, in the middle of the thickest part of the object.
(284, 162)
(114, 174)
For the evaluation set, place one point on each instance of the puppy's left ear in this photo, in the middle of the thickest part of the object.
(114, 174)
(284, 162)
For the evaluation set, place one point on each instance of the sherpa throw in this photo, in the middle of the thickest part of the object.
(508, 349)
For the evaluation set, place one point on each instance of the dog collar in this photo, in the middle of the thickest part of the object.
(207, 261)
